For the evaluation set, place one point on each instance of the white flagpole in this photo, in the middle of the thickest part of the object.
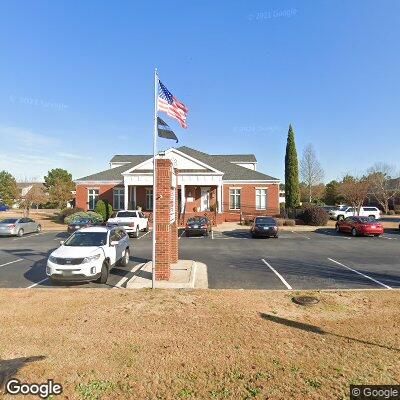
(153, 275)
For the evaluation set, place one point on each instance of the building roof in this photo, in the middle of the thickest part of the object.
(125, 158)
(232, 172)
(221, 162)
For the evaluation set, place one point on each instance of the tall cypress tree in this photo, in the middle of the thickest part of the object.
(292, 187)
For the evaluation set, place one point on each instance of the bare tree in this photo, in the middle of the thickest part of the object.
(311, 170)
(34, 196)
(383, 185)
(355, 190)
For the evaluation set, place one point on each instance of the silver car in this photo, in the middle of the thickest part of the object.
(18, 226)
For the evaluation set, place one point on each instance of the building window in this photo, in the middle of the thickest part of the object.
(149, 199)
(261, 199)
(119, 199)
(93, 196)
(234, 199)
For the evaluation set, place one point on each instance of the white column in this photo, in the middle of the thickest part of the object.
(219, 198)
(134, 196)
(126, 195)
(183, 198)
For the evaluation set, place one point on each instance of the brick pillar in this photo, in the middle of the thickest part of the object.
(174, 226)
(163, 226)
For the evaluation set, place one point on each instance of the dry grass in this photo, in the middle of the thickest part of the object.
(201, 344)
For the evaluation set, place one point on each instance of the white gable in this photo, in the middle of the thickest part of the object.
(180, 161)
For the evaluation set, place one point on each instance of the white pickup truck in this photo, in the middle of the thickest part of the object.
(132, 221)
(345, 211)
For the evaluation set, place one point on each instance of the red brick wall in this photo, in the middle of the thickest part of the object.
(248, 200)
(105, 193)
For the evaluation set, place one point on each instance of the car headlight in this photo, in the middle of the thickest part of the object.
(91, 258)
(52, 259)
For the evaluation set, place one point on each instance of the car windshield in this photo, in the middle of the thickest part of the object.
(195, 220)
(9, 221)
(365, 219)
(265, 220)
(126, 214)
(87, 239)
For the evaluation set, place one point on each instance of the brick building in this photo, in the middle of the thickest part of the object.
(224, 187)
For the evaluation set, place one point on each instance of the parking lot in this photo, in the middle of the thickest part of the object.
(297, 260)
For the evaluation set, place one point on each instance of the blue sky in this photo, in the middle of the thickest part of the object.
(76, 80)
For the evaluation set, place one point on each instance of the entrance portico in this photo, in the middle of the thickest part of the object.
(199, 186)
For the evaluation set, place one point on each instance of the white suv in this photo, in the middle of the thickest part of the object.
(132, 221)
(89, 254)
(345, 211)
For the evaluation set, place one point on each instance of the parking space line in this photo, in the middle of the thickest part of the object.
(150, 230)
(181, 234)
(212, 234)
(277, 274)
(37, 283)
(11, 262)
(359, 273)
(134, 269)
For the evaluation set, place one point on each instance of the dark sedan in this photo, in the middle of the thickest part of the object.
(198, 226)
(264, 227)
(81, 223)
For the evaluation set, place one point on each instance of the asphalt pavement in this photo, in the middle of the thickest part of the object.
(306, 260)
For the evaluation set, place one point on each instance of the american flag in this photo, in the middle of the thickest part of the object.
(171, 105)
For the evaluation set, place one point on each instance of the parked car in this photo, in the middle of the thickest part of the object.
(360, 226)
(264, 227)
(89, 254)
(328, 209)
(3, 207)
(198, 226)
(18, 226)
(346, 211)
(81, 223)
(132, 221)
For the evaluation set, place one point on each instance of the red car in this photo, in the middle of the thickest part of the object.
(360, 226)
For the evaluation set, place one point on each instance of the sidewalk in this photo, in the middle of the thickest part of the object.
(185, 274)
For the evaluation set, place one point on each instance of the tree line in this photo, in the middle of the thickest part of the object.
(55, 192)
(304, 182)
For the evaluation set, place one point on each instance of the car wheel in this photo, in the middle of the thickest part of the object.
(371, 216)
(354, 232)
(125, 258)
(340, 217)
(104, 272)
(39, 228)
(137, 232)
(276, 236)
(377, 235)
(147, 228)
(20, 233)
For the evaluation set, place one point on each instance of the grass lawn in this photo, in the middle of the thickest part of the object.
(121, 344)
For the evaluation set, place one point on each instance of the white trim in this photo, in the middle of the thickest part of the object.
(88, 199)
(172, 150)
(266, 198)
(261, 181)
(82, 183)
(240, 199)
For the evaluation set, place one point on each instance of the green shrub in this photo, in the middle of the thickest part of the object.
(65, 212)
(104, 208)
(289, 222)
(280, 222)
(314, 216)
(83, 214)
